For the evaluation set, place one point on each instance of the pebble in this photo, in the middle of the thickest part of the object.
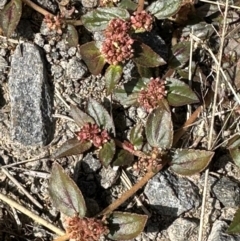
(183, 229)
(108, 177)
(38, 39)
(31, 117)
(89, 3)
(3, 64)
(171, 195)
(76, 69)
(2, 3)
(90, 164)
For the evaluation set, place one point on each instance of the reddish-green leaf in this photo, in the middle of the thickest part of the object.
(128, 94)
(65, 194)
(124, 226)
(107, 152)
(162, 9)
(71, 36)
(10, 16)
(112, 76)
(189, 162)
(180, 54)
(100, 115)
(72, 147)
(92, 57)
(98, 19)
(123, 158)
(81, 118)
(179, 93)
(234, 227)
(145, 56)
(144, 71)
(136, 137)
(159, 128)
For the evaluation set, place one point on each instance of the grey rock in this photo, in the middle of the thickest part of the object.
(218, 233)
(57, 71)
(51, 5)
(183, 229)
(227, 192)
(142, 114)
(38, 39)
(3, 64)
(171, 195)
(72, 51)
(76, 69)
(108, 176)
(90, 164)
(89, 3)
(31, 109)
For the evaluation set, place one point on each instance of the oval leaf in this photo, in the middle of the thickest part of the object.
(71, 36)
(123, 158)
(81, 118)
(128, 4)
(65, 194)
(100, 115)
(92, 57)
(159, 128)
(179, 93)
(234, 227)
(162, 9)
(126, 226)
(180, 54)
(145, 56)
(10, 16)
(98, 19)
(112, 76)
(107, 152)
(72, 147)
(189, 162)
(136, 137)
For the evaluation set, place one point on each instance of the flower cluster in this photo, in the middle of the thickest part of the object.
(149, 98)
(141, 21)
(91, 132)
(117, 46)
(54, 23)
(82, 229)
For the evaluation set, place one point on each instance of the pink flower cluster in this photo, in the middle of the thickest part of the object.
(54, 23)
(117, 46)
(149, 98)
(141, 21)
(91, 132)
(82, 229)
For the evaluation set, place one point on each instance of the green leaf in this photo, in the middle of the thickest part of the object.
(189, 162)
(72, 147)
(107, 152)
(112, 76)
(100, 115)
(234, 148)
(179, 93)
(123, 158)
(10, 16)
(128, 4)
(136, 137)
(92, 57)
(234, 227)
(128, 94)
(145, 56)
(65, 194)
(162, 9)
(159, 128)
(71, 36)
(180, 54)
(98, 19)
(144, 71)
(81, 118)
(125, 226)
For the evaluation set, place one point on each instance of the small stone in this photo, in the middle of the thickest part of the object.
(2, 3)
(142, 114)
(57, 71)
(89, 3)
(3, 64)
(90, 164)
(76, 69)
(227, 192)
(72, 51)
(31, 109)
(218, 233)
(183, 229)
(108, 176)
(47, 48)
(3, 52)
(38, 39)
(171, 195)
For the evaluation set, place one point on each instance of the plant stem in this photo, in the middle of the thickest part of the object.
(140, 6)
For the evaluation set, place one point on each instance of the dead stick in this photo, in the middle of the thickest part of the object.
(140, 6)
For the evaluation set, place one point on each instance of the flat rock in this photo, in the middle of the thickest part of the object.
(31, 120)
(171, 195)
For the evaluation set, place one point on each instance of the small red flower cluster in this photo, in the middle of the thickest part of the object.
(117, 46)
(142, 21)
(91, 132)
(82, 229)
(54, 23)
(149, 98)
